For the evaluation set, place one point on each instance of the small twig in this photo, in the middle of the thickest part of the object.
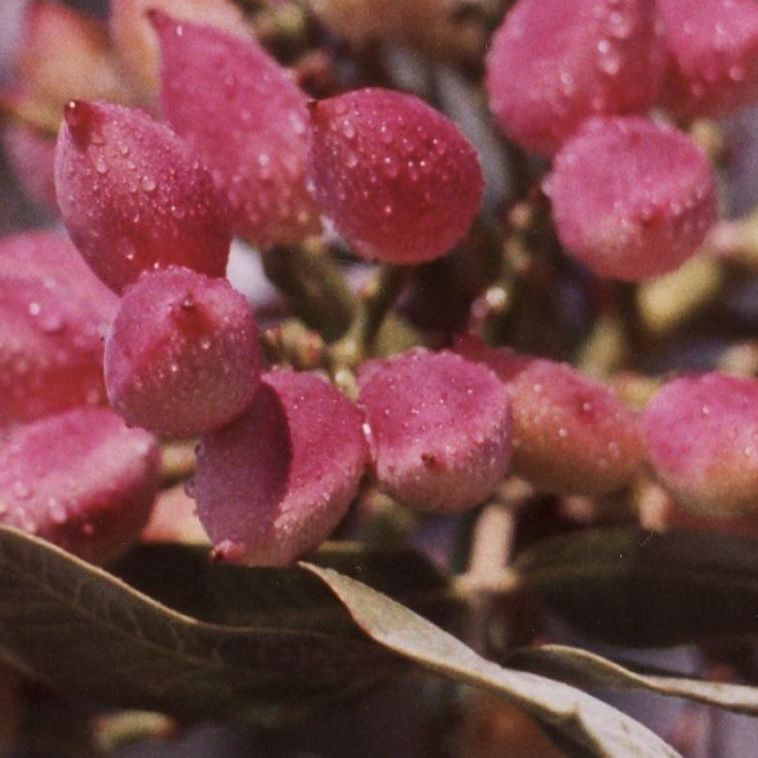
(735, 240)
(488, 577)
(120, 730)
(374, 304)
(491, 543)
(177, 460)
(31, 113)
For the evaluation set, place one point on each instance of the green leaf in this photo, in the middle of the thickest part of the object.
(88, 634)
(185, 579)
(587, 723)
(581, 666)
(636, 588)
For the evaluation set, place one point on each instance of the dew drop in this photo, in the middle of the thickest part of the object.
(57, 511)
(126, 248)
(22, 490)
(348, 130)
(148, 184)
(390, 167)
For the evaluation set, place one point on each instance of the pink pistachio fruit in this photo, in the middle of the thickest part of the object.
(631, 199)
(553, 63)
(714, 55)
(54, 314)
(247, 119)
(571, 434)
(439, 429)
(182, 356)
(397, 178)
(273, 484)
(134, 197)
(702, 442)
(80, 479)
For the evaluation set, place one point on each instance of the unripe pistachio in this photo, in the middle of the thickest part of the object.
(571, 434)
(702, 442)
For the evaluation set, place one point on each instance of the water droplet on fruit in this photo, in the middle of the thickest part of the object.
(22, 490)
(148, 184)
(348, 130)
(57, 510)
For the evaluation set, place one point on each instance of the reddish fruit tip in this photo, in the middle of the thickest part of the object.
(80, 116)
(160, 20)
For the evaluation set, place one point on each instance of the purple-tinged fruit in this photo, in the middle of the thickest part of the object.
(137, 44)
(399, 180)
(247, 118)
(553, 64)
(631, 199)
(134, 197)
(54, 314)
(182, 356)
(274, 484)
(439, 429)
(702, 442)
(81, 480)
(571, 434)
(714, 55)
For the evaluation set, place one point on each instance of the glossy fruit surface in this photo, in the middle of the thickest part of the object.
(571, 434)
(631, 199)
(553, 63)
(397, 178)
(54, 314)
(702, 439)
(182, 356)
(137, 44)
(134, 197)
(714, 55)
(273, 484)
(439, 429)
(247, 118)
(80, 479)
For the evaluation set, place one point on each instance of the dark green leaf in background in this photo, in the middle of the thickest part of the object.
(634, 588)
